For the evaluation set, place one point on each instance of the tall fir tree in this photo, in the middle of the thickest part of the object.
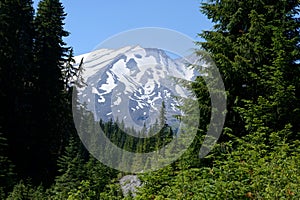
(71, 169)
(16, 78)
(255, 45)
(52, 107)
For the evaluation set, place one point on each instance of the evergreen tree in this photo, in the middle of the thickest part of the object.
(255, 45)
(71, 169)
(53, 105)
(98, 175)
(69, 72)
(25, 190)
(16, 79)
(162, 115)
(165, 134)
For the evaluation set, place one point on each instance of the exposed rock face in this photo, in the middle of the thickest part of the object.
(129, 184)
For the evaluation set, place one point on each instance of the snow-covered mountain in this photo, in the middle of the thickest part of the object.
(130, 84)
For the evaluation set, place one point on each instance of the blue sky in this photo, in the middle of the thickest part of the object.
(92, 21)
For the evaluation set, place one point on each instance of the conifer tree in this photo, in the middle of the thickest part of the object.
(71, 169)
(16, 78)
(52, 106)
(165, 134)
(98, 174)
(162, 115)
(255, 45)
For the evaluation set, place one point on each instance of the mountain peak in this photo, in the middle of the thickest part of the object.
(130, 84)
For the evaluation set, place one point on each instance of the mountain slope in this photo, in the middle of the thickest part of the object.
(130, 84)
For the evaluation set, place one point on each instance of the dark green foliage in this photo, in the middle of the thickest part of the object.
(98, 175)
(255, 47)
(36, 115)
(112, 192)
(248, 172)
(16, 80)
(7, 175)
(51, 104)
(70, 167)
(83, 191)
(121, 137)
(26, 191)
(80, 174)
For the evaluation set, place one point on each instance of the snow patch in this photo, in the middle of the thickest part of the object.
(118, 101)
